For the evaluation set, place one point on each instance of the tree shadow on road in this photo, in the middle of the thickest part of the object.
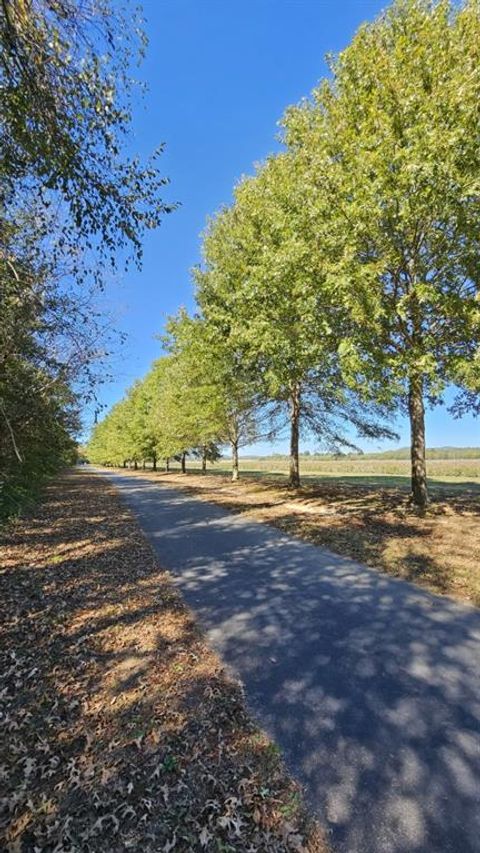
(374, 526)
(370, 685)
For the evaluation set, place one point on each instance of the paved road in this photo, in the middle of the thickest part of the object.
(370, 686)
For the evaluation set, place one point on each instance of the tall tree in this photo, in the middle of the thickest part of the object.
(39, 360)
(108, 445)
(65, 100)
(265, 281)
(390, 150)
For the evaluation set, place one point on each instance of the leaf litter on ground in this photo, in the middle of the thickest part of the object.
(374, 525)
(121, 730)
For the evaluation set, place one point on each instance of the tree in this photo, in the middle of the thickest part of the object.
(38, 412)
(220, 398)
(266, 285)
(176, 410)
(390, 150)
(139, 426)
(39, 359)
(73, 205)
(110, 443)
(65, 91)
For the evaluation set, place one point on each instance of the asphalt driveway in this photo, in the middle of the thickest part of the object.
(371, 686)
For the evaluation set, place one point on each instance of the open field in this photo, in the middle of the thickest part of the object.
(367, 517)
(456, 475)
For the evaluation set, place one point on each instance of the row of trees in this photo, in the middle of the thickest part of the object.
(342, 284)
(73, 206)
(192, 401)
(205, 393)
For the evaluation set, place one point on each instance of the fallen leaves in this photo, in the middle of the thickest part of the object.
(372, 524)
(120, 730)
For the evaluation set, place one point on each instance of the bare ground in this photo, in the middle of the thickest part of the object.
(371, 524)
(120, 728)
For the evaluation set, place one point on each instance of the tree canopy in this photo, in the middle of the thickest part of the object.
(341, 286)
(74, 205)
(393, 139)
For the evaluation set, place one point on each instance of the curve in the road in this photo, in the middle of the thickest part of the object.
(370, 685)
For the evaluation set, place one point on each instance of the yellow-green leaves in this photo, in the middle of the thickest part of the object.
(392, 140)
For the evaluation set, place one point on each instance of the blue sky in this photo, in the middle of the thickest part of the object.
(220, 74)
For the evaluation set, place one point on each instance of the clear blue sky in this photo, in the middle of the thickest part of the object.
(220, 74)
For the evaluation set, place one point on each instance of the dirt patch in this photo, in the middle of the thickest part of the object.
(121, 730)
(375, 526)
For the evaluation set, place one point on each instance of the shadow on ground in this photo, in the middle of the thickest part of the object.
(120, 730)
(370, 685)
(439, 488)
(376, 526)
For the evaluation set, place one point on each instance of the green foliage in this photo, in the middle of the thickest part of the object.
(183, 406)
(265, 287)
(37, 406)
(65, 91)
(72, 206)
(37, 423)
(343, 281)
(392, 140)
(223, 389)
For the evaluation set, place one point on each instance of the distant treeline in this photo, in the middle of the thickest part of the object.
(400, 453)
(432, 453)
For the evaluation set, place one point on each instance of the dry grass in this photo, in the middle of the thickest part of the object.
(372, 524)
(121, 729)
(451, 474)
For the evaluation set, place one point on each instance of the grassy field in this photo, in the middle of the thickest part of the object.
(444, 474)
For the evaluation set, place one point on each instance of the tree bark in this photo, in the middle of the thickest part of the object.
(135, 466)
(143, 464)
(184, 466)
(167, 465)
(204, 460)
(235, 469)
(294, 478)
(416, 410)
(154, 461)
(124, 463)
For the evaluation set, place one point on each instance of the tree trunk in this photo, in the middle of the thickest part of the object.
(235, 459)
(416, 409)
(184, 466)
(124, 463)
(294, 478)
(154, 461)
(204, 460)
(167, 465)
(143, 464)
(135, 466)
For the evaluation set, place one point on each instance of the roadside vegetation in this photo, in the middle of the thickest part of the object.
(341, 286)
(121, 730)
(74, 208)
